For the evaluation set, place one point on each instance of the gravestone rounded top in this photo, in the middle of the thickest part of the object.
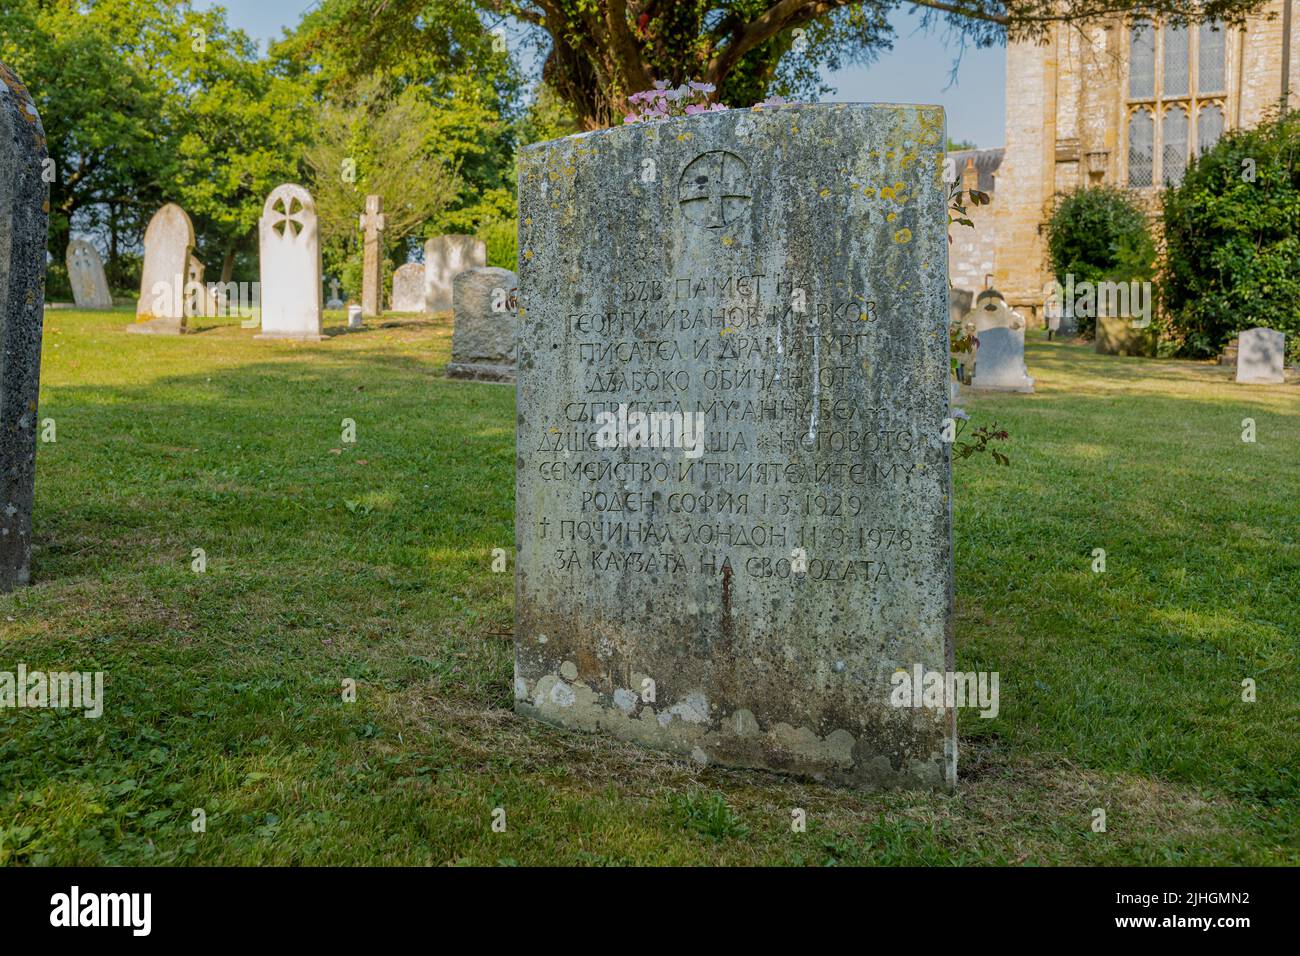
(289, 210)
(170, 224)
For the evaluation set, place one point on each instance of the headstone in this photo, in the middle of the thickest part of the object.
(1260, 355)
(168, 241)
(86, 275)
(446, 257)
(408, 288)
(355, 317)
(290, 266)
(1000, 346)
(1117, 336)
(485, 324)
(372, 264)
(24, 225)
(200, 300)
(959, 301)
(749, 576)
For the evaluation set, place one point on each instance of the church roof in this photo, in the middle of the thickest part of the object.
(987, 162)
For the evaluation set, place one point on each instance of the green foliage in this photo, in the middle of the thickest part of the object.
(707, 814)
(547, 117)
(370, 141)
(502, 241)
(150, 101)
(437, 53)
(1096, 234)
(1232, 237)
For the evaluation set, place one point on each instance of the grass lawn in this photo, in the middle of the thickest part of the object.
(371, 560)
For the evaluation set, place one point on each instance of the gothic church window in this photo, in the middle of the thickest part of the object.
(1141, 143)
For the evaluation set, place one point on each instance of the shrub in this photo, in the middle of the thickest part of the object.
(501, 239)
(1232, 237)
(1099, 234)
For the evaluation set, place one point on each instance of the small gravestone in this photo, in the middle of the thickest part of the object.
(446, 257)
(408, 288)
(24, 225)
(372, 225)
(733, 518)
(484, 325)
(1116, 335)
(86, 275)
(1260, 355)
(168, 242)
(290, 266)
(1000, 345)
(200, 299)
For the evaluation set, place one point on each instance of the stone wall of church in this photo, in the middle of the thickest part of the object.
(1066, 118)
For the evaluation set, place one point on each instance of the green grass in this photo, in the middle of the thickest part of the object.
(372, 561)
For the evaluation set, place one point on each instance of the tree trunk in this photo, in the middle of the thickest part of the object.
(228, 263)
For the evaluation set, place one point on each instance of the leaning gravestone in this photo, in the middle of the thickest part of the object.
(1000, 348)
(484, 325)
(739, 577)
(290, 266)
(408, 288)
(86, 275)
(168, 241)
(446, 257)
(1260, 354)
(24, 224)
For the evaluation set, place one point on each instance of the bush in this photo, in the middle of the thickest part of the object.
(1099, 234)
(501, 239)
(1232, 235)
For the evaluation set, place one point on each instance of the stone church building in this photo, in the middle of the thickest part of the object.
(1115, 104)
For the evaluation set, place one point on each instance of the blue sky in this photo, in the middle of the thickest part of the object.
(915, 71)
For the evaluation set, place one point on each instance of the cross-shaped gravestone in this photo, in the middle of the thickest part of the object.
(372, 221)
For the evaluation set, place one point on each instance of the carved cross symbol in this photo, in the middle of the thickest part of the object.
(714, 190)
(287, 212)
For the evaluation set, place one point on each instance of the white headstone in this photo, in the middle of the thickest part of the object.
(1000, 349)
(290, 266)
(445, 257)
(86, 275)
(1260, 354)
(168, 241)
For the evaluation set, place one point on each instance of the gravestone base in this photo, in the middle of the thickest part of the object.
(481, 373)
(975, 386)
(291, 336)
(160, 327)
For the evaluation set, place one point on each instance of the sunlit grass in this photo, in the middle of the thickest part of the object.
(329, 561)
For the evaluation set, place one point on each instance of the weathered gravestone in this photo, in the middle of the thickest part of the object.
(484, 325)
(168, 241)
(86, 275)
(1000, 348)
(741, 576)
(372, 225)
(1260, 354)
(1116, 335)
(24, 223)
(290, 266)
(408, 288)
(446, 257)
(200, 298)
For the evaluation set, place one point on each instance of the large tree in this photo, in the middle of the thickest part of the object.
(599, 51)
(150, 101)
